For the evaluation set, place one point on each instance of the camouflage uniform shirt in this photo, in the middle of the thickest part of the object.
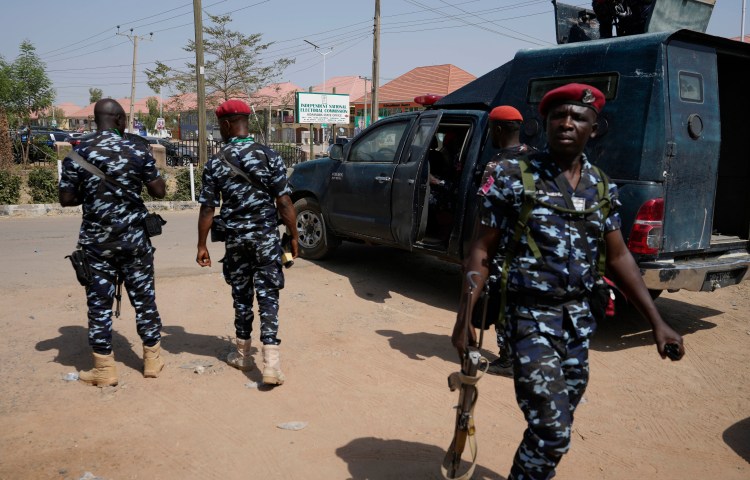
(249, 211)
(564, 273)
(112, 215)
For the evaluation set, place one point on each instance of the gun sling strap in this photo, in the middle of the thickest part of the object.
(237, 171)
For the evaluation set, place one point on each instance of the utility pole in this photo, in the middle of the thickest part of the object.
(133, 38)
(365, 79)
(375, 61)
(201, 80)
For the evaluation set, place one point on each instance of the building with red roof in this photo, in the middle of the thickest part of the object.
(398, 95)
(83, 118)
(45, 117)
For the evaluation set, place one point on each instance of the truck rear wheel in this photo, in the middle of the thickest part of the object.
(315, 240)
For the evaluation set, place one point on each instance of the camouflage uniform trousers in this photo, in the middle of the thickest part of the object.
(137, 270)
(254, 268)
(551, 372)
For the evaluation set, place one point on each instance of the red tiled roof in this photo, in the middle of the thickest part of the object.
(350, 85)
(436, 79)
(68, 110)
(277, 93)
(88, 111)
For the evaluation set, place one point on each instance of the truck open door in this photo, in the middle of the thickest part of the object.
(411, 181)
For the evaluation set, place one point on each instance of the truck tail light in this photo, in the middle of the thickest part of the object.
(645, 237)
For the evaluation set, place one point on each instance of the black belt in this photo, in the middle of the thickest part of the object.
(530, 301)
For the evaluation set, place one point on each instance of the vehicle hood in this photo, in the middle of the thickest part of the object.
(312, 176)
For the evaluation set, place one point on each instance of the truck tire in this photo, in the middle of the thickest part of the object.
(315, 240)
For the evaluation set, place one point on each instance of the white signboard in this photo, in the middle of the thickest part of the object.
(322, 108)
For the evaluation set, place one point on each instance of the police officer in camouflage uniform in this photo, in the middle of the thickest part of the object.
(113, 237)
(548, 319)
(250, 210)
(505, 130)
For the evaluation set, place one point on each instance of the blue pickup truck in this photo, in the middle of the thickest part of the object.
(672, 136)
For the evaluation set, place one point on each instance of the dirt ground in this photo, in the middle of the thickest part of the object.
(365, 347)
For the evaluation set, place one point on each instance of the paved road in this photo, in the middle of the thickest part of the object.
(34, 249)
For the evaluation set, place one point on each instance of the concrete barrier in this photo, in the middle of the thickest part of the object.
(62, 149)
(160, 155)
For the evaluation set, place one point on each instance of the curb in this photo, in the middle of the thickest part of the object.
(55, 209)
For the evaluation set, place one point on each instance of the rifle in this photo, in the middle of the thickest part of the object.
(466, 382)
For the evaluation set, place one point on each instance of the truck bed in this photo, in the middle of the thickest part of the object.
(730, 241)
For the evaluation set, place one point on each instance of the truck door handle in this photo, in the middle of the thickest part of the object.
(383, 179)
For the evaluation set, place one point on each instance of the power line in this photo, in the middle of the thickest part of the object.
(148, 17)
(88, 53)
(426, 7)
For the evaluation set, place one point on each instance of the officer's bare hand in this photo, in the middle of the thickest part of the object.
(463, 336)
(663, 335)
(203, 258)
(295, 247)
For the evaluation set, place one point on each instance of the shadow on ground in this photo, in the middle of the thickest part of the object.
(628, 329)
(738, 438)
(73, 349)
(421, 346)
(375, 272)
(378, 459)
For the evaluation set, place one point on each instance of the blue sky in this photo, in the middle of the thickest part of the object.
(77, 38)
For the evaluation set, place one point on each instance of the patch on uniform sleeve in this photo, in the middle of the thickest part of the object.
(488, 184)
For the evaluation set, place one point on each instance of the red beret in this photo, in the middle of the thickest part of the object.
(506, 113)
(232, 107)
(575, 93)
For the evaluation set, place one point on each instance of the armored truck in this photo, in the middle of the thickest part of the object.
(672, 136)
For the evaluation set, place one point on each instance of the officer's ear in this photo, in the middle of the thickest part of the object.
(594, 130)
(121, 121)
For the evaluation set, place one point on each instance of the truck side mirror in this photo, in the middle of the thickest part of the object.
(337, 152)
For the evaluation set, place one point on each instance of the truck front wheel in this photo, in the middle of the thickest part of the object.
(315, 240)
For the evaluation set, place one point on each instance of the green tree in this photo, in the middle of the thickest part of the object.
(232, 63)
(6, 146)
(95, 94)
(30, 88)
(149, 120)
